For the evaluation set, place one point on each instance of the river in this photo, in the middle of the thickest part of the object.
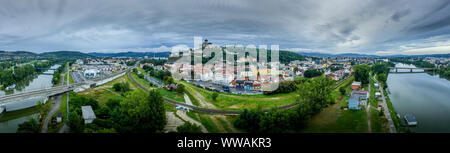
(21, 112)
(426, 96)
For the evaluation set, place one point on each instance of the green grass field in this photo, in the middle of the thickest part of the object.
(226, 101)
(63, 107)
(171, 95)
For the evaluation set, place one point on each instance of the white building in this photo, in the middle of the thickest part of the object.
(91, 73)
(88, 114)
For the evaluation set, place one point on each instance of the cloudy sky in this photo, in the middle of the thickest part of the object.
(335, 26)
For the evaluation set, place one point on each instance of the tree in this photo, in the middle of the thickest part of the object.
(76, 122)
(168, 80)
(316, 92)
(382, 78)
(141, 113)
(313, 73)
(361, 73)
(214, 96)
(249, 120)
(122, 87)
(342, 90)
(180, 88)
(187, 127)
(30, 126)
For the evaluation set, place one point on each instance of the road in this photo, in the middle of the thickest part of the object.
(54, 108)
(386, 109)
(369, 128)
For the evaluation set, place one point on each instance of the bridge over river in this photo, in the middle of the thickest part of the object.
(36, 95)
(411, 69)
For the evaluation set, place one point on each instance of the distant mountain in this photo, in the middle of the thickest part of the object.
(334, 55)
(131, 54)
(428, 55)
(56, 54)
(65, 54)
(10, 54)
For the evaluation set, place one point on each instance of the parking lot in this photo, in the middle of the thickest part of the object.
(219, 88)
(153, 81)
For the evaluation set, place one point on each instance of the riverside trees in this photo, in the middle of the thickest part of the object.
(10, 74)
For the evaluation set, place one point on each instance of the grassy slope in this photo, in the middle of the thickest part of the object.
(227, 101)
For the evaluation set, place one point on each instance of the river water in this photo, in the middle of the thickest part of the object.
(24, 110)
(426, 96)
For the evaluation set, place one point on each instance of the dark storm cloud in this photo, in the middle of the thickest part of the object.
(330, 26)
(396, 17)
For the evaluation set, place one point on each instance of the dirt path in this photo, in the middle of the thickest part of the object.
(230, 125)
(52, 111)
(200, 98)
(187, 99)
(172, 122)
(183, 115)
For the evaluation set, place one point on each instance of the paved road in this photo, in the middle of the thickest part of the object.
(53, 110)
(369, 128)
(172, 122)
(187, 99)
(183, 115)
(386, 109)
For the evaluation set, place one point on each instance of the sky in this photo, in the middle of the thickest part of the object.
(380, 27)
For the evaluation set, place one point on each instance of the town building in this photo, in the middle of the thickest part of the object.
(358, 100)
(88, 114)
(356, 85)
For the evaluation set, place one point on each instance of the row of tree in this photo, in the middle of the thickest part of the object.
(382, 71)
(444, 72)
(313, 96)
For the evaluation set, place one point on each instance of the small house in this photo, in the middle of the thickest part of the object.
(377, 94)
(88, 114)
(356, 85)
(376, 85)
(59, 117)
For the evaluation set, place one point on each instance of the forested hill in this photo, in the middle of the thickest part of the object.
(17, 53)
(65, 54)
(132, 54)
(46, 55)
(287, 56)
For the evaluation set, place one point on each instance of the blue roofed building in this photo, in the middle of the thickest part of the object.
(358, 100)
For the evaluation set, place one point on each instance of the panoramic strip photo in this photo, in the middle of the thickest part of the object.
(237, 72)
